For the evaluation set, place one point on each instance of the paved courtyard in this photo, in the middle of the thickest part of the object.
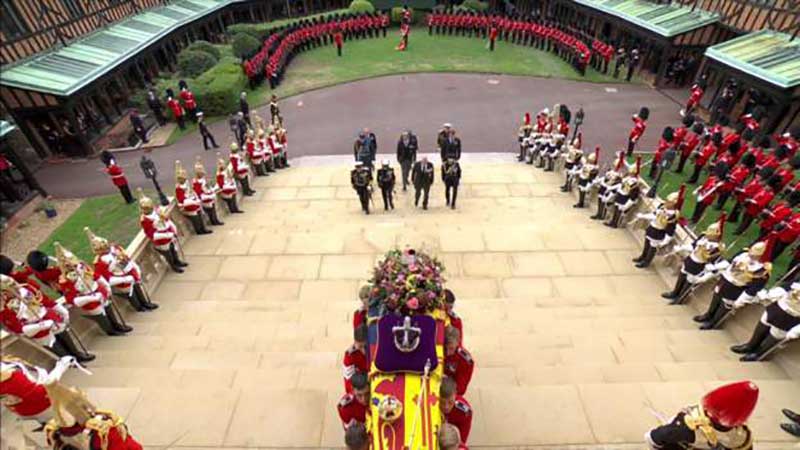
(572, 343)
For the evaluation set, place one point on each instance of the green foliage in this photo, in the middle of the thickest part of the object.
(361, 6)
(108, 216)
(205, 46)
(261, 31)
(192, 63)
(244, 45)
(218, 89)
(397, 15)
(475, 5)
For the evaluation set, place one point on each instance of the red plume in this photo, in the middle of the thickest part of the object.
(681, 197)
(722, 225)
(620, 161)
(638, 165)
(767, 256)
(731, 405)
(597, 155)
(527, 118)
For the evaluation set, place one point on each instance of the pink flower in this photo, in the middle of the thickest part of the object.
(412, 303)
(413, 267)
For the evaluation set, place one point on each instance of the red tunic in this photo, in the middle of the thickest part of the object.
(695, 95)
(117, 176)
(689, 144)
(359, 317)
(461, 417)
(31, 397)
(775, 215)
(456, 323)
(175, 106)
(735, 179)
(354, 361)
(459, 366)
(705, 191)
(639, 125)
(755, 204)
(188, 99)
(705, 154)
(791, 231)
(350, 410)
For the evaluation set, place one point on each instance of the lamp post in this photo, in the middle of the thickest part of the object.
(664, 165)
(150, 171)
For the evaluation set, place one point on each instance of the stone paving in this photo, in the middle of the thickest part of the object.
(572, 343)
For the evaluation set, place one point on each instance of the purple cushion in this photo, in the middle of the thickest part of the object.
(388, 358)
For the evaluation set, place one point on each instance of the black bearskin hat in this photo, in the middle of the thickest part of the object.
(748, 134)
(765, 142)
(698, 128)
(644, 113)
(170, 93)
(37, 260)
(6, 265)
(668, 134)
(734, 148)
(717, 139)
(721, 169)
(795, 162)
(724, 121)
(782, 152)
(775, 182)
(749, 160)
(182, 84)
(766, 172)
(793, 198)
(687, 120)
(106, 157)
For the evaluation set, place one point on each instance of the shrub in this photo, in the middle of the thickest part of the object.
(205, 46)
(192, 63)
(218, 89)
(475, 5)
(253, 29)
(361, 6)
(397, 15)
(244, 45)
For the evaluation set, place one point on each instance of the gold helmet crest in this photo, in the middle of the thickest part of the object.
(180, 172)
(145, 202)
(672, 200)
(234, 147)
(99, 245)
(757, 250)
(67, 260)
(199, 168)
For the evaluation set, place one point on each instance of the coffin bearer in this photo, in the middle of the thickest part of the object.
(386, 180)
(407, 147)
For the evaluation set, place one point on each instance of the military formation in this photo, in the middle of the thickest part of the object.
(353, 407)
(418, 173)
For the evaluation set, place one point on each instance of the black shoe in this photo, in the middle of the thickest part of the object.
(750, 357)
(791, 428)
(742, 349)
(84, 357)
(701, 318)
(707, 326)
(206, 232)
(642, 265)
(671, 295)
(791, 415)
(177, 269)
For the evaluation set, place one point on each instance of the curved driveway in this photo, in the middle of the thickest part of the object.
(486, 110)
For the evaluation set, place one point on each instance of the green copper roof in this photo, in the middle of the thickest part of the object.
(765, 54)
(665, 20)
(67, 69)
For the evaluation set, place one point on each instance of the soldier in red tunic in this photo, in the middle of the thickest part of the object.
(458, 363)
(43, 267)
(790, 140)
(776, 214)
(226, 186)
(161, 231)
(706, 194)
(206, 191)
(456, 409)
(360, 315)
(639, 126)
(189, 102)
(188, 202)
(455, 321)
(695, 94)
(705, 154)
(786, 233)
(241, 170)
(124, 276)
(353, 407)
(177, 111)
(117, 176)
(735, 179)
(355, 358)
(756, 204)
(719, 422)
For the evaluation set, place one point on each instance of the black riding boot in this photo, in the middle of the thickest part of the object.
(648, 253)
(198, 225)
(174, 252)
(615, 218)
(171, 261)
(116, 319)
(144, 297)
(581, 199)
(70, 342)
(212, 216)
(105, 324)
(715, 320)
(246, 187)
(716, 300)
(601, 210)
(135, 301)
(766, 346)
(752, 345)
(677, 291)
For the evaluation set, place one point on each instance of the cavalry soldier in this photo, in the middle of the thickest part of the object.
(700, 265)
(355, 358)
(161, 232)
(626, 196)
(26, 311)
(187, 200)
(353, 407)
(124, 276)
(104, 431)
(87, 290)
(386, 180)
(117, 176)
(407, 147)
(586, 176)
(361, 180)
(608, 186)
(451, 176)
(282, 159)
(639, 125)
(226, 186)
(206, 191)
(779, 323)
(523, 135)
(572, 164)
(458, 363)
(661, 227)
(422, 176)
(255, 154)
(240, 170)
(741, 279)
(456, 409)
(718, 422)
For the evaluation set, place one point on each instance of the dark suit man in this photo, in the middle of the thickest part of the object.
(422, 177)
(451, 146)
(205, 132)
(407, 148)
(451, 176)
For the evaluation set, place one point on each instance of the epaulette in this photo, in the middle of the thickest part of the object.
(464, 354)
(463, 407)
(346, 400)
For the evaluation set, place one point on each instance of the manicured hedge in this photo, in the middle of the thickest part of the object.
(218, 89)
(245, 45)
(205, 46)
(475, 5)
(262, 30)
(417, 17)
(192, 63)
(361, 6)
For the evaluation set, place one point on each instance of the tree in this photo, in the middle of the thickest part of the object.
(245, 45)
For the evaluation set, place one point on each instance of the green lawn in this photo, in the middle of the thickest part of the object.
(671, 182)
(368, 58)
(108, 216)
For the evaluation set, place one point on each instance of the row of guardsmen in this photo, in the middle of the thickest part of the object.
(719, 421)
(353, 407)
